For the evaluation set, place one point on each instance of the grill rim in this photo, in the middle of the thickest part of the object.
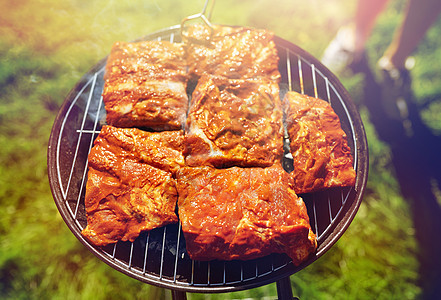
(350, 208)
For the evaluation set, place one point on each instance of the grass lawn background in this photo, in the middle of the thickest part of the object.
(45, 48)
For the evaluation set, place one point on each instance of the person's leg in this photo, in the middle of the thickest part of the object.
(346, 50)
(419, 16)
(396, 81)
(365, 17)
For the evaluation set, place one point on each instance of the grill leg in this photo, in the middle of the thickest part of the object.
(178, 295)
(284, 291)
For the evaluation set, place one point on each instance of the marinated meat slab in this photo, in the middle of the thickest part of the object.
(145, 85)
(130, 186)
(232, 52)
(322, 157)
(242, 213)
(234, 122)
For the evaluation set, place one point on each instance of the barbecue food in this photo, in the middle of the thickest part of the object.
(235, 200)
(130, 186)
(145, 85)
(242, 213)
(234, 122)
(322, 157)
(232, 52)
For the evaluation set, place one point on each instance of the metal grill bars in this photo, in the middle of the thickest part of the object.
(139, 259)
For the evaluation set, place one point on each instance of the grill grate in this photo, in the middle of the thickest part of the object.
(158, 257)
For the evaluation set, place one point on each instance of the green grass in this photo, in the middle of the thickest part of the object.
(46, 46)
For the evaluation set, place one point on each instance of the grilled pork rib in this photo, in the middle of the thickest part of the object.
(242, 213)
(234, 122)
(322, 157)
(130, 186)
(145, 85)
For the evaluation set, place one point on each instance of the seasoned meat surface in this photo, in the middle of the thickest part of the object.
(145, 85)
(130, 186)
(232, 52)
(162, 150)
(234, 122)
(322, 157)
(242, 213)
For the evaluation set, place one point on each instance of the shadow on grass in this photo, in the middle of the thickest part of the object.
(416, 157)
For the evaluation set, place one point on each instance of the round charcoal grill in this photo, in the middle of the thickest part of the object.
(159, 257)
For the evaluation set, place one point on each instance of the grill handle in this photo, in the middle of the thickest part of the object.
(203, 16)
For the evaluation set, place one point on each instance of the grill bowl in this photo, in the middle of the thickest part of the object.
(159, 257)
